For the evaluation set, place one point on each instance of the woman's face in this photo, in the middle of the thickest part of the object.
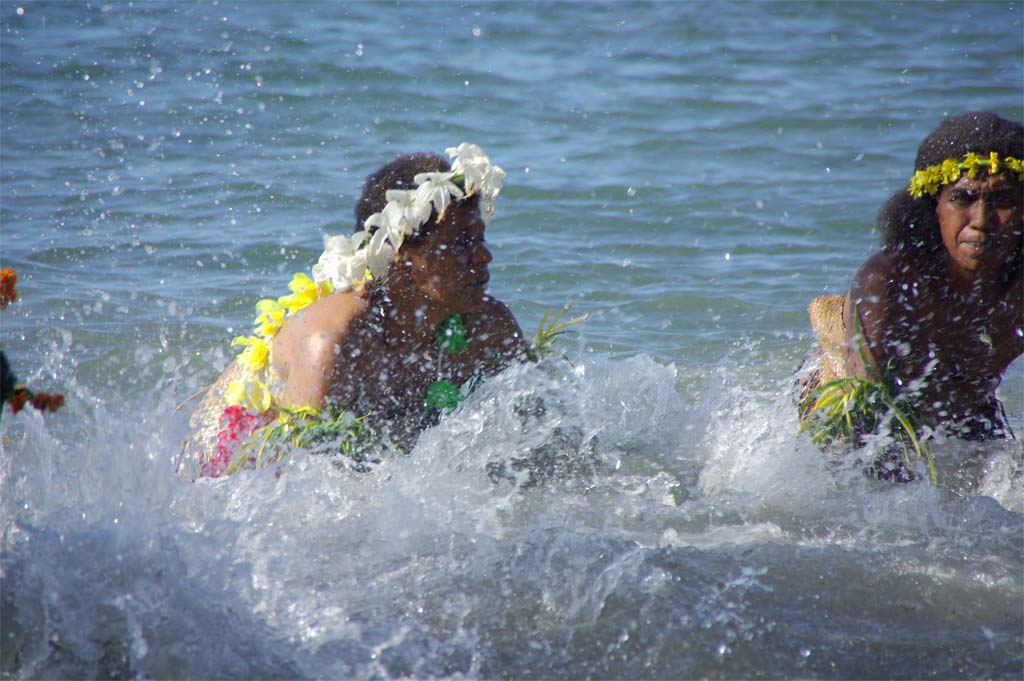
(449, 266)
(981, 223)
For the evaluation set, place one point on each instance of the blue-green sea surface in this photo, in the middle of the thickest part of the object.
(690, 175)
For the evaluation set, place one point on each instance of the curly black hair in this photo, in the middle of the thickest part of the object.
(398, 174)
(910, 225)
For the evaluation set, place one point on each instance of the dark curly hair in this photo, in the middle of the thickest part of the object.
(910, 225)
(399, 174)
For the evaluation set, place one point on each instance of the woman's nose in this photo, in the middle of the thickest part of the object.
(982, 215)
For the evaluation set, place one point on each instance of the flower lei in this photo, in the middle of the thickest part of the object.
(347, 263)
(929, 180)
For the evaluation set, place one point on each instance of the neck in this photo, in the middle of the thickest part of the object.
(973, 286)
(410, 318)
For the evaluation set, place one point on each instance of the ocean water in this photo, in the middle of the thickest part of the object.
(688, 174)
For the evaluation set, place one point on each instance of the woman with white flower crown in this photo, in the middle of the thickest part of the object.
(394, 323)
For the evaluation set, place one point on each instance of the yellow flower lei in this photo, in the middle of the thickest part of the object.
(929, 180)
(252, 392)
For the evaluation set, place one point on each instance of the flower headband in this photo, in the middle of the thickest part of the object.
(929, 180)
(348, 261)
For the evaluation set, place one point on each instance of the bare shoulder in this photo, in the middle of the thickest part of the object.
(304, 350)
(875, 276)
(493, 332)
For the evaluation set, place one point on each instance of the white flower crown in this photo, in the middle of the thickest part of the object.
(348, 261)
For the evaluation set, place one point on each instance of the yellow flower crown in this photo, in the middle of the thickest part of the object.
(929, 180)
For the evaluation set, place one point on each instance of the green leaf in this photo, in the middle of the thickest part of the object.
(549, 332)
(451, 335)
(442, 396)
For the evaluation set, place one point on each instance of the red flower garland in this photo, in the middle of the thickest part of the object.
(237, 425)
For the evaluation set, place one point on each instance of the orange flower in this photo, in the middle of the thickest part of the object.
(7, 281)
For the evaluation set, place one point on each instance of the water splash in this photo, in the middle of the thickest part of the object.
(604, 517)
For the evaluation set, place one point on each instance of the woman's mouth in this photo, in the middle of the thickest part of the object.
(977, 245)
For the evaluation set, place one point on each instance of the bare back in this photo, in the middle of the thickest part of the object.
(339, 350)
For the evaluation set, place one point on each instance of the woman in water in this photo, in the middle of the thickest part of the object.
(395, 319)
(937, 314)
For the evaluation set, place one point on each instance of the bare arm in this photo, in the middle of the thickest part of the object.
(886, 297)
(870, 335)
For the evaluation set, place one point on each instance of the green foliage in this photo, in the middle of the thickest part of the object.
(319, 431)
(848, 408)
(548, 332)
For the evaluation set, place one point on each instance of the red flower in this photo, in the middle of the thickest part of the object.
(237, 424)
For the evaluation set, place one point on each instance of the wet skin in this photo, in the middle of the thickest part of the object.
(950, 329)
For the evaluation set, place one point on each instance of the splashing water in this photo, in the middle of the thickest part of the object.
(165, 165)
(562, 522)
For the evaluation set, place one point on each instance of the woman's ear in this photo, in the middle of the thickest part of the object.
(413, 265)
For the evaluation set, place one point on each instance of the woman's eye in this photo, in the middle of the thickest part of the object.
(1002, 200)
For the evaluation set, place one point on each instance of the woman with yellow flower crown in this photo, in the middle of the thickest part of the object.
(934, 318)
(394, 320)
